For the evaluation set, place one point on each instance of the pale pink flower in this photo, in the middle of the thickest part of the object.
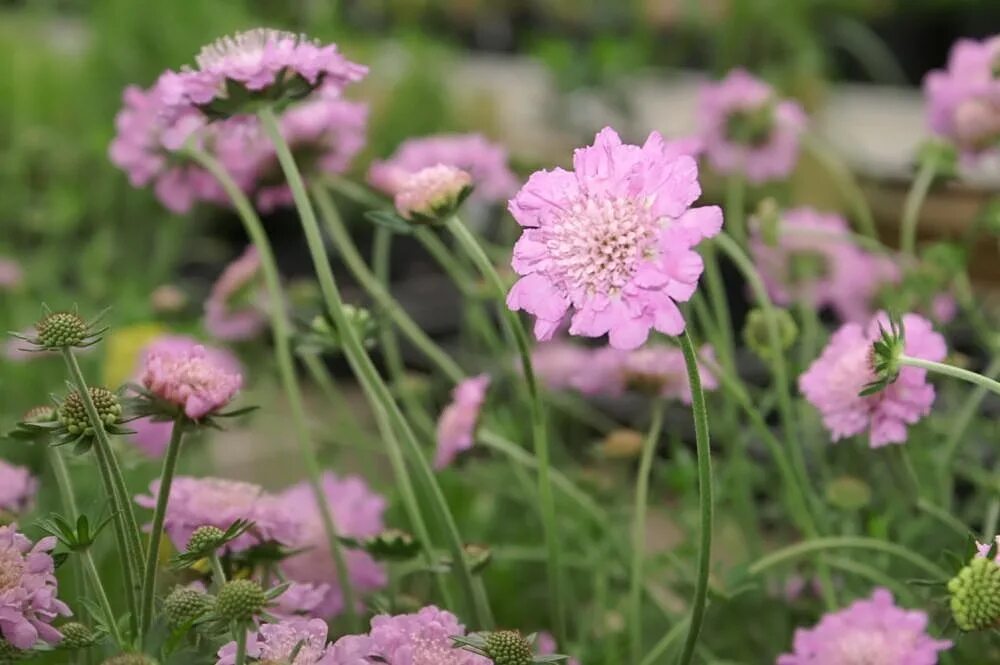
(357, 511)
(546, 645)
(656, 369)
(275, 643)
(983, 549)
(11, 274)
(874, 631)
(556, 363)
(191, 379)
(431, 192)
(833, 382)
(17, 488)
(747, 129)
(456, 427)
(28, 588)
(486, 162)
(233, 310)
(611, 241)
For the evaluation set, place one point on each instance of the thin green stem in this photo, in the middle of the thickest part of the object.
(218, 572)
(958, 427)
(720, 306)
(952, 371)
(241, 645)
(656, 654)
(159, 517)
(845, 181)
(911, 208)
(102, 596)
(735, 210)
(797, 550)
(639, 527)
(474, 250)
(705, 498)
(282, 332)
(457, 273)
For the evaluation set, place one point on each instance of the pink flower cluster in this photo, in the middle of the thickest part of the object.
(275, 643)
(233, 310)
(816, 262)
(611, 242)
(485, 161)
(747, 130)
(874, 630)
(963, 100)
(456, 425)
(833, 382)
(17, 488)
(191, 379)
(28, 587)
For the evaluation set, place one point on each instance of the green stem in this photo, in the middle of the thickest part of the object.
(655, 654)
(720, 306)
(983, 382)
(911, 208)
(159, 516)
(705, 500)
(639, 527)
(126, 528)
(372, 383)
(845, 181)
(546, 499)
(282, 332)
(218, 572)
(102, 596)
(457, 273)
(735, 210)
(241, 645)
(960, 425)
(797, 550)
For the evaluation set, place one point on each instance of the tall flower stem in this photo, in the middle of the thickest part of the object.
(818, 545)
(639, 530)
(914, 202)
(952, 371)
(361, 364)
(282, 332)
(546, 499)
(126, 528)
(241, 645)
(102, 596)
(845, 181)
(159, 517)
(705, 499)
(960, 425)
(735, 210)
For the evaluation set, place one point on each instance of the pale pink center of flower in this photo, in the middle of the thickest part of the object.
(216, 496)
(241, 49)
(977, 123)
(850, 373)
(595, 246)
(869, 647)
(11, 568)
(428, 651)
(431, 188)
(279, 648)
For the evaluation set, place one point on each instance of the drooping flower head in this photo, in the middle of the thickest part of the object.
(17, 488)
(747, 129)
(485, 161)
(233, 310)
(833, 382)
(963, 100)
(611, 242)
(816, 262)
(653, 370)
(457, 424)
(11, 274)
(276, 642)
(28, 588)
(198, 502)
(191, 379)
(432, 193)
(357, 511)
(866, 632)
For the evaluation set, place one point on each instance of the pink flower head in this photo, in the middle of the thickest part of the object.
(11, 274)
(747, 129)
(611, 241)
(963, 101)
(558, 362)
(197, 502)
(546, 646)
(233, 310)
(873, 631)
(191, 379)
(816, 262)
(656, 369)
(275, 643)
(486, 162)
(456, 426)
(432, 192)
(28, 587)
(17, 488)
(833, 382)
(357, 512)
(983, 549)
(422, 638)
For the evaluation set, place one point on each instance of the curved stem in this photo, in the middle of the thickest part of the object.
(845, 181)
(983, 382)
(159, 516)
(639, 530)
(911, 208)
(546, 500)
(797, 550)
(281, 330)
(705, 499)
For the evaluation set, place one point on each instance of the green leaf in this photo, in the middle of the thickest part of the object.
(390, 220)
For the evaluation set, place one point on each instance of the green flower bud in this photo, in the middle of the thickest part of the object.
(76, 636)
(508, 647)
(392, 545)
(61, 329)
(975, 595)
(848, 493)
(478, 557)
(205, 539)
(768, 217)
(756, 332)
(73, 413)
(240, 600)
(40, 414)
(185, 604)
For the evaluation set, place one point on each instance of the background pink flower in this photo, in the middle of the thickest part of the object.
(457, 424)
(28, 588)
(17, 488)
(233, 310)
(11, 274)
(275, 643)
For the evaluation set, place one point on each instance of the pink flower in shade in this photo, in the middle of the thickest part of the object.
(275, 643)
(833, 381)
(963, 100)
(456, 426)
(867, 632)
(611, 241)
(655, 369)
(816, 262)
(190, 379)
(357, 512)
(197, 502)
(747, 130)
(28, 587)
(486, 162)
(944, 308)
(431, 192)
(983, 549)
(17, 488)
(422, 638)
(11, 274)
(233, 311)
(558, 362)
(546, 646)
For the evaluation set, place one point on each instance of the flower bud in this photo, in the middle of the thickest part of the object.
(975, 595)
(508, 647)
(40, 414)
(848, 493)
(205, 540)
(184, 604)
(240, 600)
(61, 329)
(622, 444)
(433, 193)
(76, 636)
(73, 412)
(757, 336)
(768, 218)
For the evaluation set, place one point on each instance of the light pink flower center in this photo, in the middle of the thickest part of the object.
(242, 49)
(977, 123)
(427, 651)
(868, 647)
(595, 246)
(224, 497)
(279, 648)
(11, 568)
(851, 372)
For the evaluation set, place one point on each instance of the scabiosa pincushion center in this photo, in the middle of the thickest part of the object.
(612, 241)
(190, 379)
(73, 413)
(28, 586)
(432, 193)
(508, 647)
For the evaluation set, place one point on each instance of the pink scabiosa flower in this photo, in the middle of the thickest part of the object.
(546, 645)
(233, 310)
(486, 162)
(558, 362)
(276, 642)
(963, 100)
(611, 241)
(197, 502)
(456, 427)
(874, 630)
(28, 587)
(833, 382)
(432, 193)
(11, 274)
(814, 261)
(17, 488)
(357, 511)
(653, 370)
(747, 129)
(190, 379)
